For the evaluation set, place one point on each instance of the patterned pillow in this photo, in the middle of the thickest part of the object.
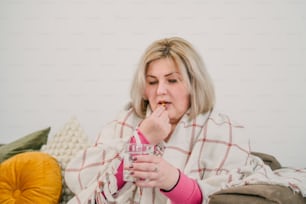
(63, 146)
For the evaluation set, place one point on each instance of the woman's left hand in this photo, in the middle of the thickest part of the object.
(154, 171)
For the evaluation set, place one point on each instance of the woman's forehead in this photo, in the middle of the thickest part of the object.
(164, 66)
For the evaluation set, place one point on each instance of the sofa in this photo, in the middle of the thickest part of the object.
(259, 193)
(32, 171)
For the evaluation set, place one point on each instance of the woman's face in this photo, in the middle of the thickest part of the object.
(165, 86)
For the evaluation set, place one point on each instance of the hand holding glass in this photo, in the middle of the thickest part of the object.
(132, 150)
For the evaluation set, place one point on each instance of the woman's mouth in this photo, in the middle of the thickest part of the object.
(164, 103)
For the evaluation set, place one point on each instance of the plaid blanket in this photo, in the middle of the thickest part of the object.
(211, 149)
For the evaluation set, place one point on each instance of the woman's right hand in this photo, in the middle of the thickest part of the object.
(156, 127)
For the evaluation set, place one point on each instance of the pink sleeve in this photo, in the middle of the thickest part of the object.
(185, 191)
(119, 174)
(142, 138)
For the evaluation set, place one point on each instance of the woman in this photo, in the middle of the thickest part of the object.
(172, 101)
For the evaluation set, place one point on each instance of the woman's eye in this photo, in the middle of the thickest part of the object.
(152, 82)
(172, 81)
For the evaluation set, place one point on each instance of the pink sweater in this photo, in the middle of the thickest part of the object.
(185, 191)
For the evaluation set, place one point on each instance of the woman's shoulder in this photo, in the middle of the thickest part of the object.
(221, 117)
(221, 126)
(124, 122)
(127, 113)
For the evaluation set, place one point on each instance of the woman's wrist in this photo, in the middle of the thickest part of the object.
(175, 184)
(139, 137)
(186, 190)
(142, 137)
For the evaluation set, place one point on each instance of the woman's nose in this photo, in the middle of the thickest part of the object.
(161, 89)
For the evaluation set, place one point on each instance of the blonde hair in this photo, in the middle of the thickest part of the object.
(190, 65)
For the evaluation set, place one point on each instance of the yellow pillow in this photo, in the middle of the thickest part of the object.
(30, 177)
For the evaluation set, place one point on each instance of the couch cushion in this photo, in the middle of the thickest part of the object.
(259, 193)
(30, 142)
(30, 177)
(268, 159)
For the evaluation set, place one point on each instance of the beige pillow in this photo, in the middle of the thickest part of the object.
(30, 142)
(63, 146)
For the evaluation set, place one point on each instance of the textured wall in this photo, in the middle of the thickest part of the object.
(76, 58)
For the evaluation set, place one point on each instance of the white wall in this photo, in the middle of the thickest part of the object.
(76, 58)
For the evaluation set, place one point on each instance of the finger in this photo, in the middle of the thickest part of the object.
(164, 115)
(146, 182)
(145, 167)
(146, 159)
(145, 175)
(158, 111)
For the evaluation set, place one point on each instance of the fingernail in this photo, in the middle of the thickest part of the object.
(134, 158)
